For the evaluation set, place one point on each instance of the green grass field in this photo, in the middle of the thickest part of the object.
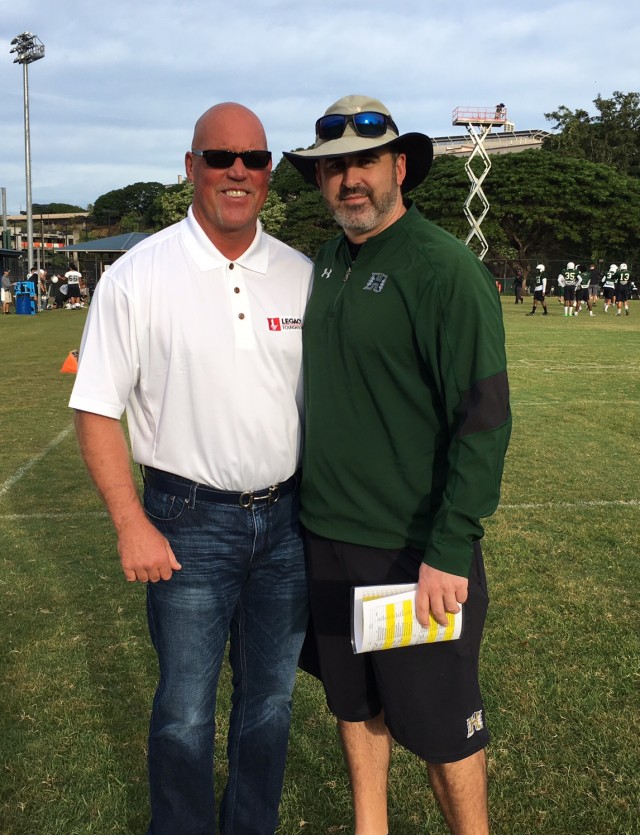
(560, 656)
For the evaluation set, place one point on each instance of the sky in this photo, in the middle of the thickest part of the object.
(122, 82)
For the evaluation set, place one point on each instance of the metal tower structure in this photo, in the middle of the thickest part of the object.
(28, 48)
(479, 121)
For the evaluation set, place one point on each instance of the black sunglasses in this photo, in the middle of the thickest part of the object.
(369, 124)
(253, 160)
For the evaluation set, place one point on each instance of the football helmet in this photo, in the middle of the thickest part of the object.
(571, 265)
(623, 266)
(540, 268)
(613, 268)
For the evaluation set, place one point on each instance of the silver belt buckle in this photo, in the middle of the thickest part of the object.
(248, 498)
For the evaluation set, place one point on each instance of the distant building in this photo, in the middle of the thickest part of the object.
(499, 142)
(50, 231)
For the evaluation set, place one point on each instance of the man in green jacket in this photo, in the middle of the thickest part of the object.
(407, 424)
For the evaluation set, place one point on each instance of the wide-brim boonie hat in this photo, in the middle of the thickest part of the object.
(416, 146)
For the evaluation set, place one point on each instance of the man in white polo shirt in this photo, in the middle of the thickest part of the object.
(212, 387)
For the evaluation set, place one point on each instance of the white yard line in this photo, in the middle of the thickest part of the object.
(581, 401)
(570, 505)
(33, 461)
(62, 516)
(55, 517)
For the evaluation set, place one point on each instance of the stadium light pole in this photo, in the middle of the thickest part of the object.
(28, 48)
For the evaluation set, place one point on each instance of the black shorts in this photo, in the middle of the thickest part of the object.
(430, 694)
(623, 292)
(538, 295)
(569, 293)
(608, 293)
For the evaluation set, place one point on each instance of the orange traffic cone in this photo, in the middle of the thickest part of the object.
(70, 365)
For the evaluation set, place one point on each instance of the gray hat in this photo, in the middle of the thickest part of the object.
(416, 146)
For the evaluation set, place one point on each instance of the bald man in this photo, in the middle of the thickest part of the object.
(212, 387)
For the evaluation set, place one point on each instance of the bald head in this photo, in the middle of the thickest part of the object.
(228, 118)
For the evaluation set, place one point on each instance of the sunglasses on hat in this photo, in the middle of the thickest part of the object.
(368, 124)
(253, 160)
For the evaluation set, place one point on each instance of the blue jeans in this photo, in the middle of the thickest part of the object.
(243, 578)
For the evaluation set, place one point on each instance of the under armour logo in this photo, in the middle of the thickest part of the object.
(327, 272)
(474, 723)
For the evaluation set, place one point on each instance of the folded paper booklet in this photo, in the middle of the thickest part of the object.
(384, 617)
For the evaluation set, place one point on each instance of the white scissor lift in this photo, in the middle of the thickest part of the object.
(479, 121)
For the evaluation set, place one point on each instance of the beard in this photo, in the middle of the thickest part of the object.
(368, 216)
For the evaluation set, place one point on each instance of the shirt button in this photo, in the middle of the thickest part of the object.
(236, 289)
(240, 315)
(230, 266)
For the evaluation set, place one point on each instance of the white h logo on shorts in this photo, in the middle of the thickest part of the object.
(474, 723)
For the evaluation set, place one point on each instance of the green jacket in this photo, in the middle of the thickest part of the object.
(406, 393)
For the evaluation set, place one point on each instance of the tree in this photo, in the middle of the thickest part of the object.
(287, 182)
(273, 214)
(612, 137)
(171, 206)
(131, 222)
(137, 199)
(441, 196)
(558, 207)
(543, 206)
(55, 208)
(307, 224)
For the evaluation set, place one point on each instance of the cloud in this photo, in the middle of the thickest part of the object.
(115, 98)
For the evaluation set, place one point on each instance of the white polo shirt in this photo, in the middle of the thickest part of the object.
(204, 353)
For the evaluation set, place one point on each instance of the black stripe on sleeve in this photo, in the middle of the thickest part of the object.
(485, 405)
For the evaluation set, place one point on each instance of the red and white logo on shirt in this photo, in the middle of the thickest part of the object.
(284, 323)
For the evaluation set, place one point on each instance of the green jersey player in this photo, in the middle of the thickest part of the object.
(539, 290)
(623, 289)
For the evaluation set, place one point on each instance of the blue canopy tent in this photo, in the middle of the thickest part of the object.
(117, 243)
(106, 250)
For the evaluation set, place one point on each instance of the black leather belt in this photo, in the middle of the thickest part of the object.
(176, 485)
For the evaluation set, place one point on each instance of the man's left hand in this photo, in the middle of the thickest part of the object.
(439, 592)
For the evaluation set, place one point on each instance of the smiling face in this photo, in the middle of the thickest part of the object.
(362, 191)
(226, 201)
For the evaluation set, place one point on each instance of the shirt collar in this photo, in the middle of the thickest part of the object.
(208, 257)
